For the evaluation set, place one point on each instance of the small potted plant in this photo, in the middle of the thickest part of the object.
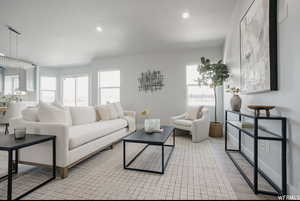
(235, 101)
(213, 75)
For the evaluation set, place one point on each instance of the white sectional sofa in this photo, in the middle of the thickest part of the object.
(84, 137)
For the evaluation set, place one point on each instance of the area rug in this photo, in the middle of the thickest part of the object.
(192, 173)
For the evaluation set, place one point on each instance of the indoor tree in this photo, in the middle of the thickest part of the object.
(212, 75)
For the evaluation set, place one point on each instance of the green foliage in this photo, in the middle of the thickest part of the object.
(212, 74)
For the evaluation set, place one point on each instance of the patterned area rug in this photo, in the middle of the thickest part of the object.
(192, 173)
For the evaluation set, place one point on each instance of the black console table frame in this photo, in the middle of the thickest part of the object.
(255, 135)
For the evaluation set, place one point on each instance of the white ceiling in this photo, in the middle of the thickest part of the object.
(63, 32)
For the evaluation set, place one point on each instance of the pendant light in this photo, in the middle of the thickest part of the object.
(20, 91)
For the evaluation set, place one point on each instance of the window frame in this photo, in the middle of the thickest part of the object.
(43, 90)
(99, 88)
(13, 77)
(75, 76)
(188, 85)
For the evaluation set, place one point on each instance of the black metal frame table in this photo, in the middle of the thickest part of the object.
(258, 133)
(9, 144)
(155, 139)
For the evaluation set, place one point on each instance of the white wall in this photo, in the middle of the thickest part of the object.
(163, 104)
(286, 99)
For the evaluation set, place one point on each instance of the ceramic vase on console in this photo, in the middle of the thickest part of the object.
(236, 103)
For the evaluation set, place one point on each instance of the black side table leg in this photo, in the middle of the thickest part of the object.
(16, 161)
(6, 129)
(54, 157)
(124, 154)
(174, 135)
(10, 174)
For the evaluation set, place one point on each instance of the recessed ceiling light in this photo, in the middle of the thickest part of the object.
(1, 54)
(99, 29)
(185, 15)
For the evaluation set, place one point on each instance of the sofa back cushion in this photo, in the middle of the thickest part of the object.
(83, 115)
(31, 114)
(51, 113)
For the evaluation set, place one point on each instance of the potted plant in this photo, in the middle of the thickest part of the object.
(213, 75)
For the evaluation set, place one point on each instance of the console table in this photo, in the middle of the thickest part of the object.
(9, 144)
(258, 133)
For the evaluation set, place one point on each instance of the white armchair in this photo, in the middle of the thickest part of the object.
(199, 128)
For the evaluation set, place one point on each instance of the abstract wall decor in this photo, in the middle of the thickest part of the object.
(151, 81)
(258, 34)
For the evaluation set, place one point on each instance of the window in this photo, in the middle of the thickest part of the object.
(197, 95)
(109, 87)
(76, 91)
(48, 89)
(11, 84)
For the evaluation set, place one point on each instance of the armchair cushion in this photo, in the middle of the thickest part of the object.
(183, 122)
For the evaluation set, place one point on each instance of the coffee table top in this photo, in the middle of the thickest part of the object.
(141, 136)
(8, 142)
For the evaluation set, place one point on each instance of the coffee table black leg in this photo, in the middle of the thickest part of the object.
(10, 174)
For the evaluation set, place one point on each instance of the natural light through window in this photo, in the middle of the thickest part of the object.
(11, 84)
(197, 95)
(48, 89)
(76, 91)
(109, 87)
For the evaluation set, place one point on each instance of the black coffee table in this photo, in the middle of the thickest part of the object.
(155, 139)
(9, 144)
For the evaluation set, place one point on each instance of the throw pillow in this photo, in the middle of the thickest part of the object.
(193, 113)
(30, 114)
(83, 115)
(119, 109)
(103, 112)
(52, 114)
(67, 110)
(200, 113)
(113, 111)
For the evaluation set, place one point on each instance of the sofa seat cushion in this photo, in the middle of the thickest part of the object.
(82, 134)
(184, 123)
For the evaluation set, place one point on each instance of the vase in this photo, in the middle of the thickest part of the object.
(236, 103)
(152, 125)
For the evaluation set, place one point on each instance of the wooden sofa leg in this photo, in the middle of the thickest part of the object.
(64, 173)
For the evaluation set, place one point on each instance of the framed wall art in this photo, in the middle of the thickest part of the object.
(258, 47)
(151, 81)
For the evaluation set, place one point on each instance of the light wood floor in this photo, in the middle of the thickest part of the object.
(238, 184)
